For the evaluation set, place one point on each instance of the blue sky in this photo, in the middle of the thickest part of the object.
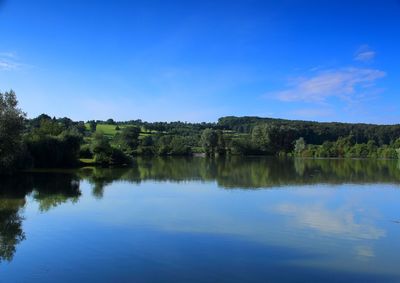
(200, 60)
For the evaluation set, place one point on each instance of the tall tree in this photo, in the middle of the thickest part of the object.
(92, 125)
(101, 148)
(11, 128)
(128, 139)
(299, 146)
(221, 147)
(209, 141)
(260, 137)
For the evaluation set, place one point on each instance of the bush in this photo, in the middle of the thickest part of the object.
(178, 147)
(49, 151)
(85, 151)
(118, 157)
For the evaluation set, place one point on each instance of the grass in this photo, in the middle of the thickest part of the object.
(107, 129)
(87, 161)
(110, 131)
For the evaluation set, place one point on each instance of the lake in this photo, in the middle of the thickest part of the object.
(199, 220)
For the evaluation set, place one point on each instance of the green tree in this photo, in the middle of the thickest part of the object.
(164, 144)
(128, 139)
(54, 151)
(101, 149)
(209, 141)
(221, 144)
(93, 126)
(178, 146)
(299, 146)
(48, 127)
(260, 138)
(11, 129)
(146, 146)
(110, 121)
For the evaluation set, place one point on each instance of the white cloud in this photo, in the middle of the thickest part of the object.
(8, 61)
(343, 83)
(364, 54)
(6, 65)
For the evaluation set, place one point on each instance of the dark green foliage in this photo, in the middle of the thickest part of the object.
(54, 142)
(110, 122)
(260, 138)
(85, 151)
(346, 148)
(174, 128)
(241, 136)
(11, 127)
(315, 132)
(118, 157)
(209, 141)
(101, 149)
(47, 126)
(244, 146)
(164, 145)
(221, 144)
(147, 141)
(49, 142)
(92, 125)
(179, 147)
(128, 139)
(172, 145)
(147, 151)
(104, 154)
(147, 146)
(54, 151)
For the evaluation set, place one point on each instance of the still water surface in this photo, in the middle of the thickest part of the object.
(199, 220)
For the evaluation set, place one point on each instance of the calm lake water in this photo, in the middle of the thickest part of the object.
(199, 220)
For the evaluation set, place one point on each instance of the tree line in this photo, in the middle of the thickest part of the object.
(47, 141)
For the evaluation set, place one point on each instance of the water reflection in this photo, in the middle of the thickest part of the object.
(11, 233)
(237, 172)
(281, 227)
(345, 221)
(48, 190)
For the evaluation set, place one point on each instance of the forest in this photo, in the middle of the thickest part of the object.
(50, 142)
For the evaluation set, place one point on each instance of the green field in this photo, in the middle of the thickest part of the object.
(107, 129)
(110, 131)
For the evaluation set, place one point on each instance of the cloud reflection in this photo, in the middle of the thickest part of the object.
(341, 222)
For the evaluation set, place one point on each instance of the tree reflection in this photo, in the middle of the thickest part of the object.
(48, 189)
(11, 233)
(101, 177)
(247, 172)
(53, 188)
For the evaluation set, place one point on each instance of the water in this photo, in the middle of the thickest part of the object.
(198, 220)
